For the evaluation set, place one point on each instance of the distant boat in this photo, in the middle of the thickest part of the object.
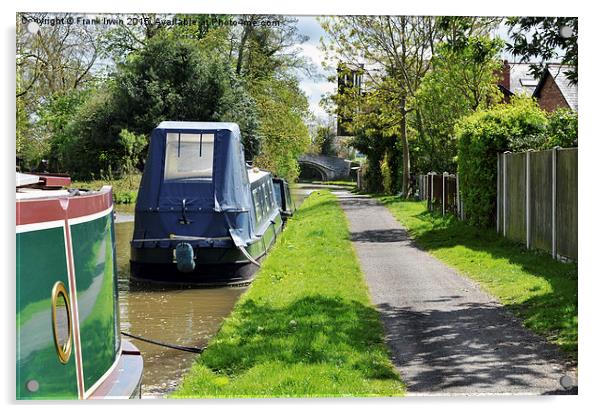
(202, 215)
(68, 334)
(284, 199)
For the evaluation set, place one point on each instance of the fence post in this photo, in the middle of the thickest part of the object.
(505, 187)
(432, 189)
(499, 177)
(554, 165)
(443, 192)
(528, 195)
(458, 213)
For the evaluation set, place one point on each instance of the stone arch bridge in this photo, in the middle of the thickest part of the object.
(323, 168)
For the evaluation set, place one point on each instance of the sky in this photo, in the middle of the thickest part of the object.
(317, 86)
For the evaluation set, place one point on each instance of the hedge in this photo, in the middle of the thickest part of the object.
(517, 126)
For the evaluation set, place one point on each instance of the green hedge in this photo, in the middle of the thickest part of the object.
(518, 126)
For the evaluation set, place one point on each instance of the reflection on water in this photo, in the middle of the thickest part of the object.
(175, 315)
(187, 317)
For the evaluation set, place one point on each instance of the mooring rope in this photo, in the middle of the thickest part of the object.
(159, 343)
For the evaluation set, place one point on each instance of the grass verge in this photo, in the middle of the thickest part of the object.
(305, 327)
(125, 190)
(537, 288)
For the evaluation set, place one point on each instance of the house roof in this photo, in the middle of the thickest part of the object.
(559, 74)
(521, 81)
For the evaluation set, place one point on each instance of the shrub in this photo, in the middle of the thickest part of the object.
(562, 129)
(517, 126)
(385, 171)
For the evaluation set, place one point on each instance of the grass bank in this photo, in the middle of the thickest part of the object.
(540, 290)
(305, 327)
(125, 190)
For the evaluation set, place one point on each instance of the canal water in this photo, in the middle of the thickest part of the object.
(182, 316)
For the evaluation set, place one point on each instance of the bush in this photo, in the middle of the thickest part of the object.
(385, 171)
(518, 126)
(562, 129)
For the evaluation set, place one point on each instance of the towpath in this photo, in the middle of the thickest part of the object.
(445, 334)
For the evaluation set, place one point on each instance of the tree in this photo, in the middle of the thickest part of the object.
(545, 39)
(284, 133)
(463, 79)
(52, 62)
(265, 58)
(168, 79)
(398, 48)
(325, 136)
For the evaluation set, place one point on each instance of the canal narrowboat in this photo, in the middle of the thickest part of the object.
(202, 215)
(68, 334)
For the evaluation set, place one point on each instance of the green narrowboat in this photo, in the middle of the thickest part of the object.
(68, 334)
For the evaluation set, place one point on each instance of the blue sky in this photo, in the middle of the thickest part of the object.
(314, 87)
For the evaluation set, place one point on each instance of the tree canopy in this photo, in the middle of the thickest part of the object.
(545, 39)
(97, 122)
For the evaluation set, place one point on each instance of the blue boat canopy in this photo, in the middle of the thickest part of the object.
(194, 169)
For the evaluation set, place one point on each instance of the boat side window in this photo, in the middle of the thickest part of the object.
(264, 209)
(278, 194)
(270, 195)
(273, 197)
(189, 156)
(266, 199)
(257, 204)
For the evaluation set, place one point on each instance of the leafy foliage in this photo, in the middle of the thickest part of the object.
(282, 108)
(326, 138)
(562, 129)
(96, 124)
(463, 79)
(545, 39)
(481, 136)
(169, 78)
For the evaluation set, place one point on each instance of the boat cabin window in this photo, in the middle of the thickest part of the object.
(189, 156)
(278, 195)
(256, 200)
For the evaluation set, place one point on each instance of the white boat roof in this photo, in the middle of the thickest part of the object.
(255, 174)
(31, 193)
(199, 125)
(26, 179)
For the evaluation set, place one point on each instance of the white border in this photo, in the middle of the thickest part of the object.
(37, 226)
(102, 378)
(91, 217)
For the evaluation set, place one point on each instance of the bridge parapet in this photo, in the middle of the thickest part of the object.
(330, 167)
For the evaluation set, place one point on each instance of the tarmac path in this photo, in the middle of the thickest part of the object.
(446, 335)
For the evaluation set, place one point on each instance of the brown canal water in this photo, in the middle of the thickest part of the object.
(183, 316)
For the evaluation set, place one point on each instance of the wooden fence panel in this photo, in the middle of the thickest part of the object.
(515, 211)
(566, 203)
(541, 199)
(432, 189)
(546, 217)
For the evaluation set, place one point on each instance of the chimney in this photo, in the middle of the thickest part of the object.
(505, 75)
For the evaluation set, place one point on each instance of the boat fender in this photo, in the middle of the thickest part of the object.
(185, 257)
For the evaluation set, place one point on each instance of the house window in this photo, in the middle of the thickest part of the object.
(189, 156)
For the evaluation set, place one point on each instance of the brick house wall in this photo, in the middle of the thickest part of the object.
(550, 97)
